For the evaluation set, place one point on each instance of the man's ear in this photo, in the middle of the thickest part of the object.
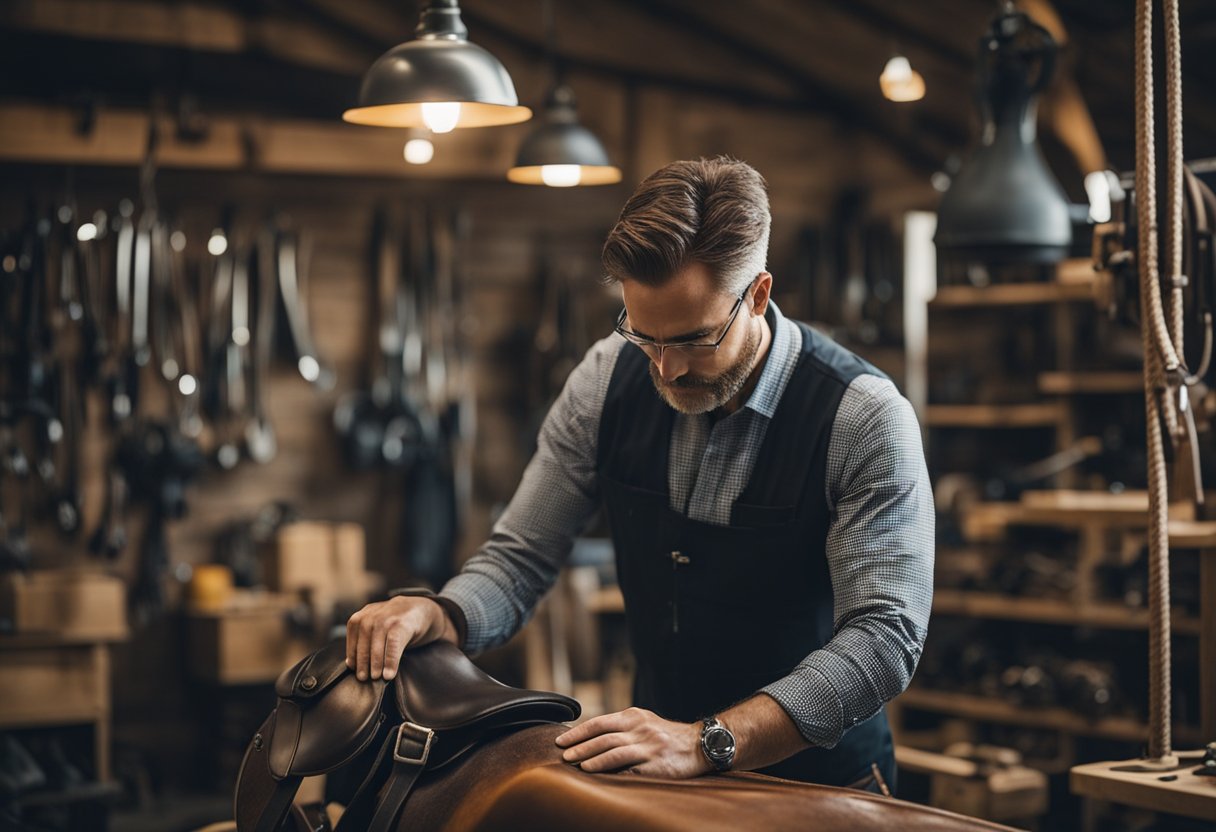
(761, 293)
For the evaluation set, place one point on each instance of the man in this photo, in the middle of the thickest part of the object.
(768, 502)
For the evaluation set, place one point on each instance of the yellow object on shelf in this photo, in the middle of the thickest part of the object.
(210, 587)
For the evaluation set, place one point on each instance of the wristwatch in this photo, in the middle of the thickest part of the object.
(717, 744)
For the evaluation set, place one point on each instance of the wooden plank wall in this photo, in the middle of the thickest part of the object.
(806, 161)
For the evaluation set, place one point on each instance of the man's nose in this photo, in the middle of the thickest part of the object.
(671, 365)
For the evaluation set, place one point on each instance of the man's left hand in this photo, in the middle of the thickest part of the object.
(639, 741)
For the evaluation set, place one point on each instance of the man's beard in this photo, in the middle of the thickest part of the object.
(693, 394)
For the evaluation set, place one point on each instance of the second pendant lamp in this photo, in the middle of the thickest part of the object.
(560, 152)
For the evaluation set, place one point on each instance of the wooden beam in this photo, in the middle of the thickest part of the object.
(818, 93)
(188, 25)
(374, 25)
(50, 135)
(879, 16)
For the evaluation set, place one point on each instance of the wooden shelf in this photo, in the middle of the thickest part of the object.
(1058, 719)
(1188, 794)
(1065, 509)
(85, 792)
(1057, 383)
(1078, 287)
(1049, 611)
(1193, 534)
(44, 719)
(34, 641)
(1035, 415)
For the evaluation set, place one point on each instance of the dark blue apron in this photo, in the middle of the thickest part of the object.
(717, 612)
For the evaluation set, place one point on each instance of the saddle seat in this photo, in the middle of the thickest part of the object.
(441, 705)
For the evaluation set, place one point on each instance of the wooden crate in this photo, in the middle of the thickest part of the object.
(246, 644)
(49, 682)
(77, 605)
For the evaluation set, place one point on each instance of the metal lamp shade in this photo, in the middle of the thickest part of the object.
(561, 140)
(441, 65)
(1005, 205)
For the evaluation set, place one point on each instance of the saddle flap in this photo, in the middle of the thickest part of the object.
(325, 715)
(440, 689)
(314, 674)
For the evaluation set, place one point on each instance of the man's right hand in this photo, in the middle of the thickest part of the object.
(378, 634)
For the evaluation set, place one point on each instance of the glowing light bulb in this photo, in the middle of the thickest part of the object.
(1097, 188)
(442, 116)
(86, 232)
(560, 176)
(419, 151)
(309, 368)
(217, 244)
(899, 82)
(187, 384)
(898, 69)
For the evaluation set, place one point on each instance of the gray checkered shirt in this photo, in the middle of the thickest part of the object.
(879, 544)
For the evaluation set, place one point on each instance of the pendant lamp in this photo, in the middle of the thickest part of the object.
(900, 82)
(440, 80)
(1004, 205)
(560, 152)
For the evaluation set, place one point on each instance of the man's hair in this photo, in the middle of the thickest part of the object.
(711, 211)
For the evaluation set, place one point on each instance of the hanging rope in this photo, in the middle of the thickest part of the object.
(1164, 374)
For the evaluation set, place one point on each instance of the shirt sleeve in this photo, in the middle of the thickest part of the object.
(499, 586)
(880, 557)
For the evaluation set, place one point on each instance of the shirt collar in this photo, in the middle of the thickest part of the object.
(778, 364)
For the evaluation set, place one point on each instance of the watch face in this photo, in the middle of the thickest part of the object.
(719, 742)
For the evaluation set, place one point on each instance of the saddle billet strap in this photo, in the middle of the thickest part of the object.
(411, 749)
(381, 798)
(358, 813)
(276, 809)
(309, 818)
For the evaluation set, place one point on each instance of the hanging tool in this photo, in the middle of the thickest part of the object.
(15, 552)
(360, 416)
(260, 443)
(293, 250)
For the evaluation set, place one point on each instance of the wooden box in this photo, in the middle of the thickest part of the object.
(52, 684)
(350, 562)
(76, 605)
(301, 557)
(248, 643)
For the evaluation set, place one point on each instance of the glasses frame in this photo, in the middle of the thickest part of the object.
(648, 344)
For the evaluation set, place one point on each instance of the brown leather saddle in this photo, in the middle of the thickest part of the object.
(439, 707)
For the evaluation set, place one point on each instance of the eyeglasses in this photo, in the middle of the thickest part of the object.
(655, 348)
